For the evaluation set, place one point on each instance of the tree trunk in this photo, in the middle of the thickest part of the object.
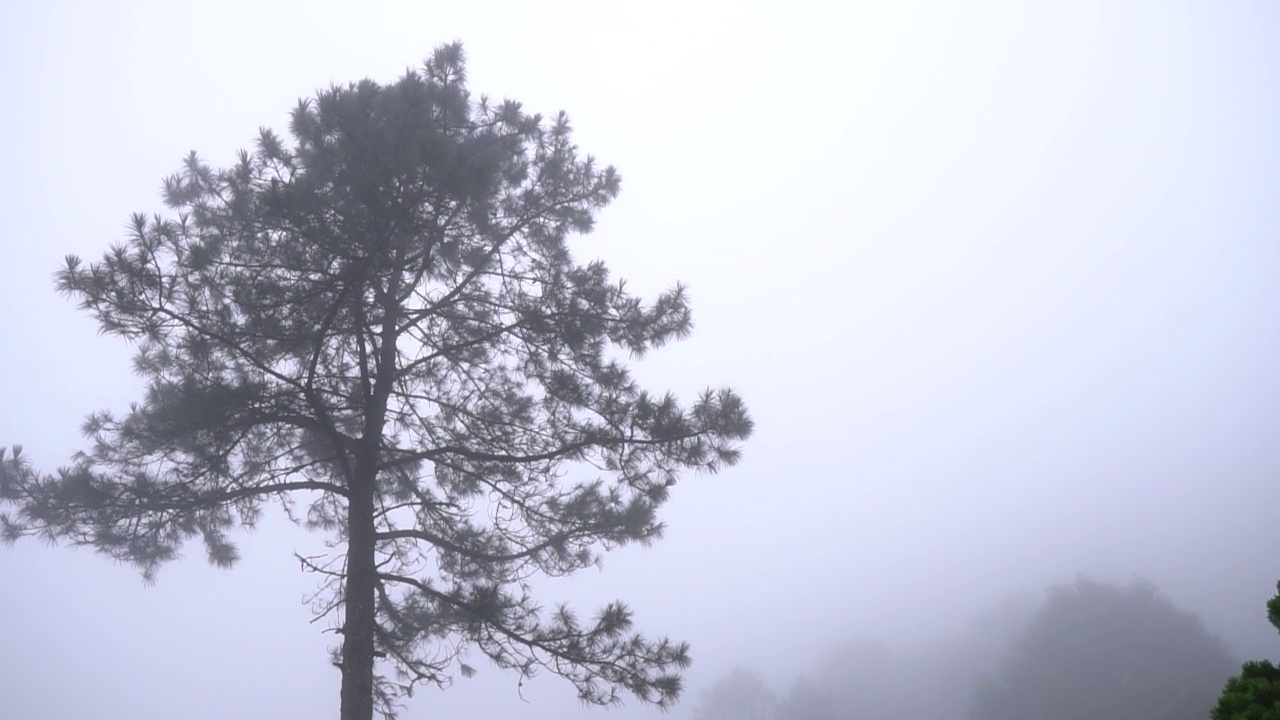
(360, 624)
(360, 621)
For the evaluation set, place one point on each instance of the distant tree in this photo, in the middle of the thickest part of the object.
(740, 695)
(380, 327)
(859, 675)
(1254, 694)
(806, 701)
(1108, 652)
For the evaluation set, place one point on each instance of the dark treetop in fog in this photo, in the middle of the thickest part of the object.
(381, 328)
(1108, 652)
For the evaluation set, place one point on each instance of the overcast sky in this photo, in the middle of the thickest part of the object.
(998, 282)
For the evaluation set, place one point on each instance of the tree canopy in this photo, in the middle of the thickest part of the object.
(743, 695)
(1254, 694)
(379, 326)
(1102, 651)
(807, 701)
(740, 695)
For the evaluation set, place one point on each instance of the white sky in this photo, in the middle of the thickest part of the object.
(997, 280)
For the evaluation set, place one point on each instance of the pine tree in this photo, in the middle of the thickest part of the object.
(380, 327)
(1254, 694)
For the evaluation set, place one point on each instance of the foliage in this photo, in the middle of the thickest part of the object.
(1103, 651)
(1254, 694)
(740, 695)
(806, 701)
(380, 326)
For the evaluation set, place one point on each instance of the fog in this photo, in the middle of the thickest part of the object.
(996, 280)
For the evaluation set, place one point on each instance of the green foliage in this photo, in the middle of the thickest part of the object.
(1273, 609)
(379, 326)
(1254, 694)
(1101, 651)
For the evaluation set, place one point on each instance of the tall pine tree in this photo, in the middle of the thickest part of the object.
(380, 327)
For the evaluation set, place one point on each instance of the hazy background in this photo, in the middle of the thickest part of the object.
(997, 281)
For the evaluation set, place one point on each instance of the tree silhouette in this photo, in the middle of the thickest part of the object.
(806, 701)
(380, 327)
(1102, 651)
(740, 695)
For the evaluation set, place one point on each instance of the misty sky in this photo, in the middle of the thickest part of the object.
(998, 282)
